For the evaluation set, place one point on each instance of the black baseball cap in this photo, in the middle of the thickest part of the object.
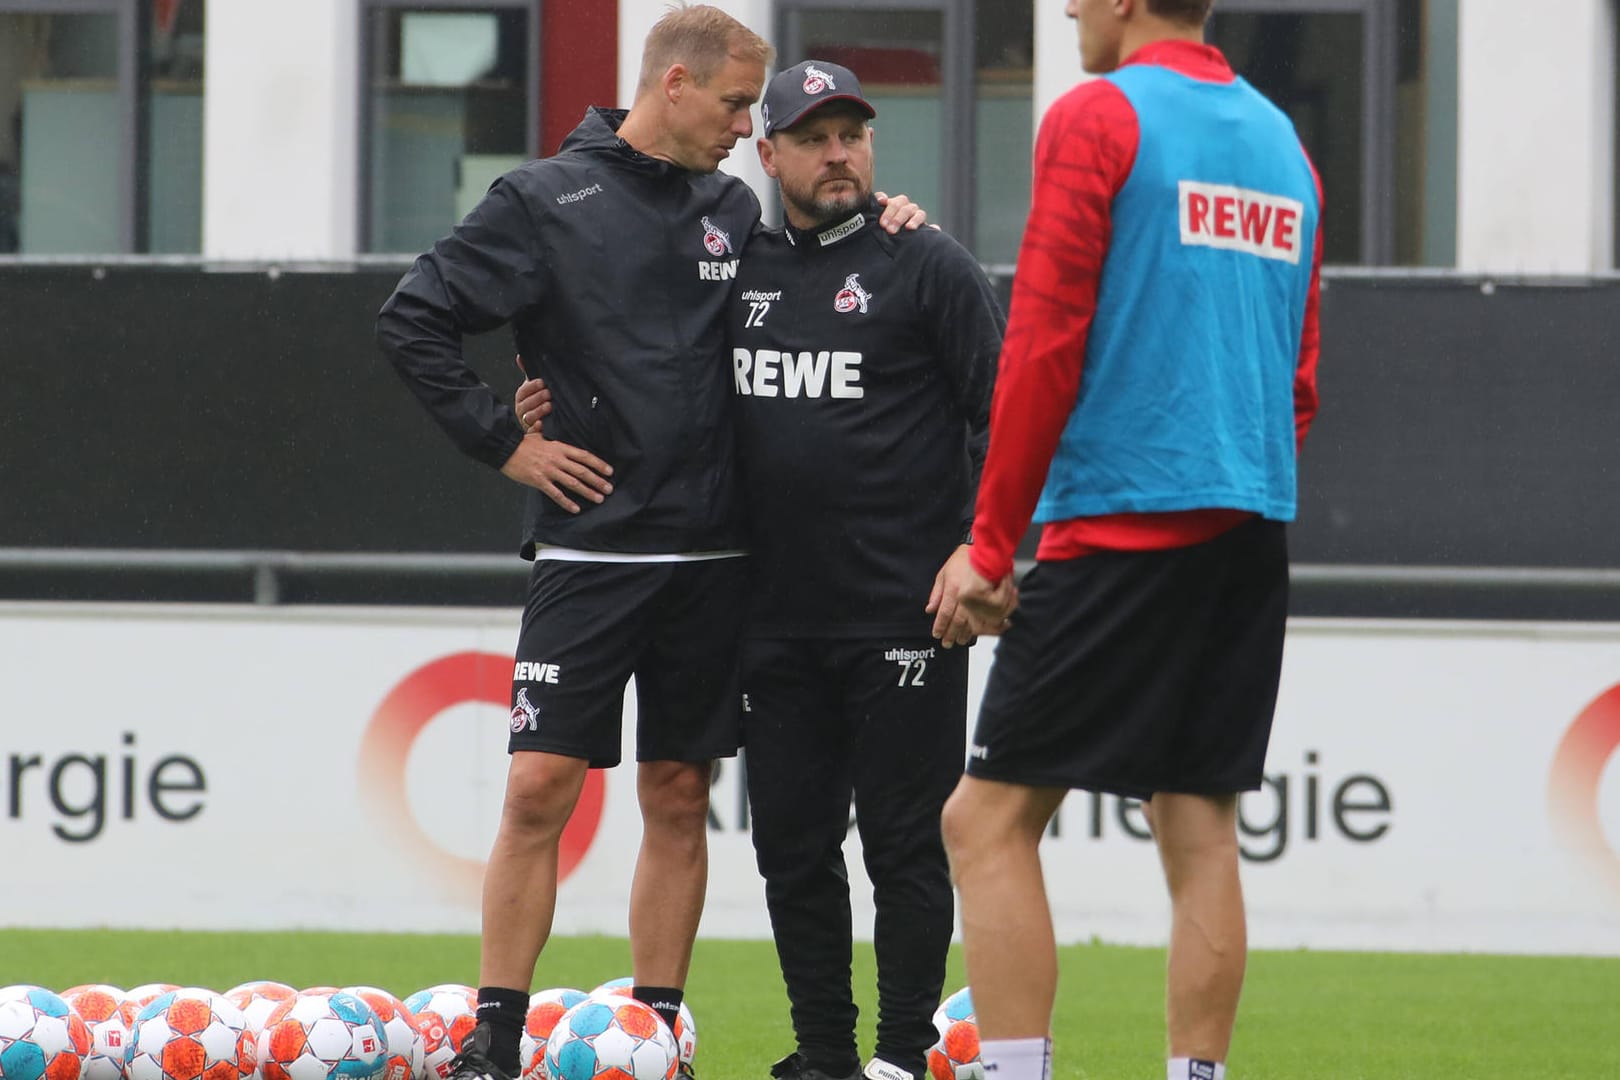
(805, 87)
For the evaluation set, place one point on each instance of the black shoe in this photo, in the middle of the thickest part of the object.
(473, 1062)
(794, 1067)
(686, 1072)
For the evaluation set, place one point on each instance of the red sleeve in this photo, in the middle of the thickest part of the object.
(1310, 336)
(1084, 154)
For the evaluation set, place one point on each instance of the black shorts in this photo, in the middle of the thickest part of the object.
(1134, 672)
(589, 626)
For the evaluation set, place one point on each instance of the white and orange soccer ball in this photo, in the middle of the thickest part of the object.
(97, 1005)
(956, 1055)
(685, 1026)
(611, 1037)
(258, 999)
(189, 1034)
(437, 1051)
(40, 1037)
(404, 1050)
(139, 997)
(450, 1006)
(546, 1007)
(323, 1037)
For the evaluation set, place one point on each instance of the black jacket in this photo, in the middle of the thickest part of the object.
(614, 269)
(863, 365)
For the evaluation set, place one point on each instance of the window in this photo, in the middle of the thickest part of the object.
(952, 82)
(100, 126)
(1371, 86)
(1004, 101)
(451, 102)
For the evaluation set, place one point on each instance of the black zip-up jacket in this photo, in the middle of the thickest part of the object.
(614, 269)
(863, 365)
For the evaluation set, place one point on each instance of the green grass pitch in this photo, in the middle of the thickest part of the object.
(1334, 1016)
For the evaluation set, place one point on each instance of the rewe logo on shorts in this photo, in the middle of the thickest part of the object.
(534, 671)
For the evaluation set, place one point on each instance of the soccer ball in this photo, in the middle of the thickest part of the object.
(258, 1000)
(323, 1037)
(403, 1053)
(437, 1053)
(97, 1005)
(612, 1037)
(546, 1007)
(451, 1006)
(40, 1037)
(685, 1026)
(139, 998)
(956, 1055)
(189, 1034)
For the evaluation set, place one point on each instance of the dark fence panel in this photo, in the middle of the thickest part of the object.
(180, 408)
(1463, 422)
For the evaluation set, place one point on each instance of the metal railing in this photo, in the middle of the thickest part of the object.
(267, 569)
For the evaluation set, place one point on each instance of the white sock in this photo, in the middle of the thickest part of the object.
(1016, 1059)
(1195, 1069)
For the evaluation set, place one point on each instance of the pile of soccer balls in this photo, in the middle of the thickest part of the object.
(270, 1031)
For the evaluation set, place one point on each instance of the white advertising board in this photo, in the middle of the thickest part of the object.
(1430, 786)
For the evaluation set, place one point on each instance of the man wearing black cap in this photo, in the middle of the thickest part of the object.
(862, 365)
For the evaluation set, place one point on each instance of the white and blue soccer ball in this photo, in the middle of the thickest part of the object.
(405, 1045)
(40, 1037)
(685, 1026)
(612, 1038)
(323, 1037)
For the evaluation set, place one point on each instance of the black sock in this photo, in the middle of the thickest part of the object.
(665, 1000)
(504, 1010)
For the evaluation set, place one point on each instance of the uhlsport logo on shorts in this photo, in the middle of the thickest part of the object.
(1575, 782)
(408, 708)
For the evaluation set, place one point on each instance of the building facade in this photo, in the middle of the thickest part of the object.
(1469, 134)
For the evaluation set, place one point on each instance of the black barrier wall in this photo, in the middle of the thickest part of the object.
(1463, 422)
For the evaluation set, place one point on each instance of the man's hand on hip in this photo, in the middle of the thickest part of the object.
(556, 468)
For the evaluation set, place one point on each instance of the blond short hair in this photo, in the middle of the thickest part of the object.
(703, 38)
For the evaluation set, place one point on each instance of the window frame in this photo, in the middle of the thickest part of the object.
(958, 79)
(133, 89)
(1380, 27)
(364, 10)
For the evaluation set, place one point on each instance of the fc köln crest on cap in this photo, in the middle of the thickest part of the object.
(852, 296)
(715, 239)
(816, 81)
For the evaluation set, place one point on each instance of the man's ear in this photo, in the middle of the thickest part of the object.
(767, 156)
(675, 81)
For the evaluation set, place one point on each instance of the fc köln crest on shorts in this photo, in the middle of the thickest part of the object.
(715, 239)
(851, 296)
